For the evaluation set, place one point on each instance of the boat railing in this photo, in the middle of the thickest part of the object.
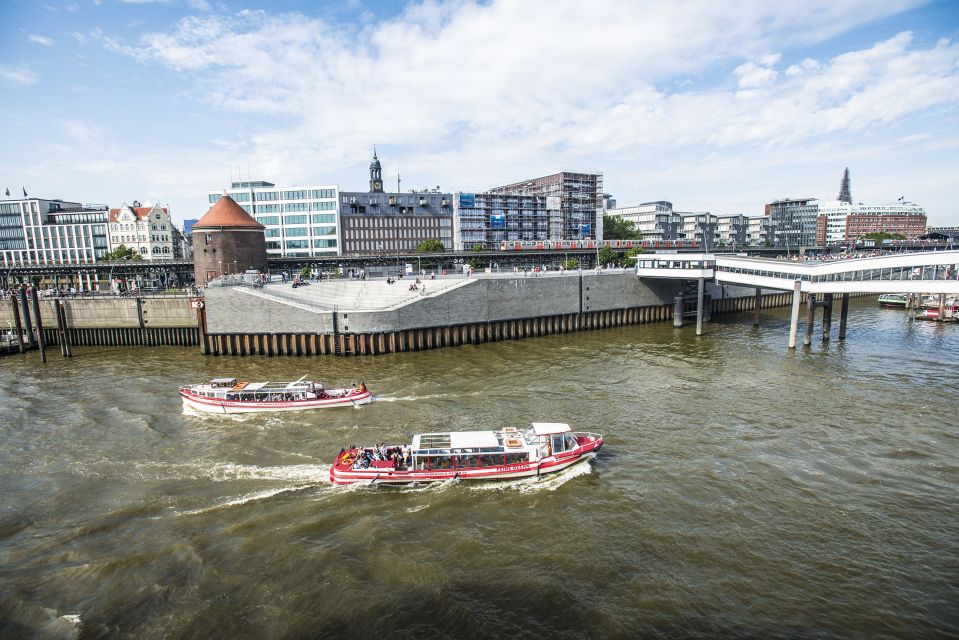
(588, 434)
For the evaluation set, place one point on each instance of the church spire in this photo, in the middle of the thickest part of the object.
(376, 174)
(844, 193)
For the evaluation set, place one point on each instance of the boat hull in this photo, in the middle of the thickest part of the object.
(214, 405)
(343, 474)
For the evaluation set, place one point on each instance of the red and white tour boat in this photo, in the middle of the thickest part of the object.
(226, 395)
(543, 447)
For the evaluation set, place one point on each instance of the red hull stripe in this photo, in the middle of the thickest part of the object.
(216, 402)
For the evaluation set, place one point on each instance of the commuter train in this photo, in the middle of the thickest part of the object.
(566, 245)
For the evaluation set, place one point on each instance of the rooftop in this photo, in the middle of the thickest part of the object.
(227, 213)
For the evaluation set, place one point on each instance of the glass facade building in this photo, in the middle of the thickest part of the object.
(299, 221)
(38, 231)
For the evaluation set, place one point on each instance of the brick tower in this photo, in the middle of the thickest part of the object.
(227, 240)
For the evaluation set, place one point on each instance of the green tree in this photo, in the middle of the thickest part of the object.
(879, 236)
(571, 263)
(306, 272)
(478, 248)
(430, 246)
(630, 258)
(608, 255)
(121, 253)
(617, 228)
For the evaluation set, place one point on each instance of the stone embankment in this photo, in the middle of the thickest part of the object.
(373, 317)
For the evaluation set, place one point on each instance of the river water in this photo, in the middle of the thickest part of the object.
(744, 491)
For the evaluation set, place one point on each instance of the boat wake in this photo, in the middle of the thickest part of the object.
(244, 499)
(298, 473)
(409, 398)
(550, 482)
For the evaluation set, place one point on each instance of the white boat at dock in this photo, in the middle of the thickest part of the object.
(541, 448)
(227, 395)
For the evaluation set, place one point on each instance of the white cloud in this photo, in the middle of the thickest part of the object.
(42, 40)
(753, 76)
(20, 75)
(470, 94)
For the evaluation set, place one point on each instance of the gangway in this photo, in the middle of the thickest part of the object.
(931, 272)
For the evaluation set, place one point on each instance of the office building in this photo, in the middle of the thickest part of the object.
(792, 222)
(578, 212)
(845, 222)
(484, 220)
(40, 231)
(377, 222)
(299, 220)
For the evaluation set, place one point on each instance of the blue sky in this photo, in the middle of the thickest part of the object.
(714, 106)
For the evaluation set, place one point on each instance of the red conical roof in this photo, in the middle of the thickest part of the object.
(227, 213)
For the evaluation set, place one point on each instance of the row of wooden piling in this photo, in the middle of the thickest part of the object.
(153, 337)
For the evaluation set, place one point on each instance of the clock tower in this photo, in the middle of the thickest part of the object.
(376, 175)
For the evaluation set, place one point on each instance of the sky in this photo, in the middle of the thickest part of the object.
(715, 106)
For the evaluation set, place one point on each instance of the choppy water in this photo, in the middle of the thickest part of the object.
(744, 491)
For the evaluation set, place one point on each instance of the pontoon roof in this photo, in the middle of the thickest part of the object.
(254, 386)
(547, 428)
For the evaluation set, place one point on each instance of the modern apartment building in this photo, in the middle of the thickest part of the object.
(35, 230)
(655, 220)
(846, 222)
(376, 222)
(758, 233)
(701, 227)
(146, 229)
(732, 230)
(299, 221)
(486, 219)
(579, 208)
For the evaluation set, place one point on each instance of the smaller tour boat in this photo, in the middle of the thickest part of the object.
(894, 300)
(951, 314)
(541, 448)
(226, 395)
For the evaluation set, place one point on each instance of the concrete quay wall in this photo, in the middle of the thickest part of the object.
(485, 310)
(114, 321)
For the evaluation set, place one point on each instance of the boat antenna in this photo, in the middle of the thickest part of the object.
(301, 378)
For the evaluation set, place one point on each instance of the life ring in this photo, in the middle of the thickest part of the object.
(513, 443)
(346, 459)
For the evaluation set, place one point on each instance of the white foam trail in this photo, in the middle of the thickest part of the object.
(71, 617)
(409, 398)
(550, 482)
(296, 473)
(249, 497)
(415, 509)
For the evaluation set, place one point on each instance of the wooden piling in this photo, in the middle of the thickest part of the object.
(41, 341)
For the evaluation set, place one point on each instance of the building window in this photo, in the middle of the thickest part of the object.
(208, 239)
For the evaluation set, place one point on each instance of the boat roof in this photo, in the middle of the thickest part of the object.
(456, 440)
(548, 428)
(230, 381)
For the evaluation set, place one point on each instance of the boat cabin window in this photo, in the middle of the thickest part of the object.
(563, 442)
(434, 460)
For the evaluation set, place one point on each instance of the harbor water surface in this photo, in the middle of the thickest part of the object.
(744, 491)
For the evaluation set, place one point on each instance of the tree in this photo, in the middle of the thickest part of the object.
(121, 253)
(430, 246)
(607, 255)
(630, 257)
(570, 263)
(617, 228)
(879, 236)
(306, 272)
(478, 248)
